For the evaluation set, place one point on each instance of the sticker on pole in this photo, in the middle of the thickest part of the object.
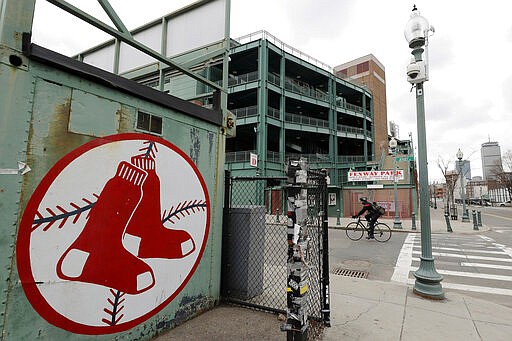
(112, 233)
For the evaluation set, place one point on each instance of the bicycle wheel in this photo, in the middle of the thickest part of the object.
(382, 232)
(354, 231)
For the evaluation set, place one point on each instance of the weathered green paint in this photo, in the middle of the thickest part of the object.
(99, 122)
(45, 114)
(15, 18)
(262, 132)
(15, 105)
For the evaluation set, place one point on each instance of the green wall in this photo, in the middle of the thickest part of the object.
(45, 113)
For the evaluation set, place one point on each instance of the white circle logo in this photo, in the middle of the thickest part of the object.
(112, 233)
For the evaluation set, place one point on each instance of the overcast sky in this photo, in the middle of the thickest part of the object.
(468, 99)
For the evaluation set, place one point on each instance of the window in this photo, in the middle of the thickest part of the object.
(363, 67)
(149, 123)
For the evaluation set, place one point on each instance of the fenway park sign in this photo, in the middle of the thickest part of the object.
(381, 175)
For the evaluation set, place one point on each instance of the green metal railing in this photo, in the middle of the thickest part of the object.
(351, 130)
(244, 156)
(241, 156)
(305, 120)
(246, 112)
(303, 88)
(243, 79)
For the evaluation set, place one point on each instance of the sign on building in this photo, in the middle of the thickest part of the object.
(254, 160)
(380, 175)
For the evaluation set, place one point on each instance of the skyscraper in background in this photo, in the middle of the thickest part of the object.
(394, 129)
(491, 157)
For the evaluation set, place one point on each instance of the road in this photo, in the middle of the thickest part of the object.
(477, 264)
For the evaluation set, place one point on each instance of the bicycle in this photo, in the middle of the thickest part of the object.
(355, 230)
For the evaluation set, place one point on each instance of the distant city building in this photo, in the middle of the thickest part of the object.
(477, 189)
(394, 129)
(464, 167)
(491, 157)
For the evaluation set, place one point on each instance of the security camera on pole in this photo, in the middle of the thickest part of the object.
(428, 280)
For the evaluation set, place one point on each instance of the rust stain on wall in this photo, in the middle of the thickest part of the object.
(126, 118)
(44, 150)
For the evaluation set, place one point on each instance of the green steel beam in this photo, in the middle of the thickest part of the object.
(15, 19)
(365, 126)
(262, 105)
(333, 124)
(282, 110)
(114, 17)
(128, 39)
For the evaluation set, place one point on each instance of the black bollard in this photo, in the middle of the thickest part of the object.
(413, 227)
(448, 226)
(479, 218)
(475, 224)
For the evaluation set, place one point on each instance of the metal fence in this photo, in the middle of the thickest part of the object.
(254, 252)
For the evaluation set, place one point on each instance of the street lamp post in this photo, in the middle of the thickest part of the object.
(428, 280)
(435, 197)
(465, 217)
(397, 224)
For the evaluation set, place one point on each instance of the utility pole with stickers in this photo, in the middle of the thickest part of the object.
(296, 324)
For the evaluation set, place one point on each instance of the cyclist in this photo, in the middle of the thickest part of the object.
(371, 216)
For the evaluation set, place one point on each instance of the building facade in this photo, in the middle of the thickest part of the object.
(491, 157)
(289, 105)
(370, 72)
(464, 168)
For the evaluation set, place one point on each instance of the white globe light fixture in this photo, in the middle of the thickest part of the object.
(393, 143)
(416, 29)
(459, 155)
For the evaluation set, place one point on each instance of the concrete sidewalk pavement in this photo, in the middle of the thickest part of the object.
(374, 310)
(362, 309)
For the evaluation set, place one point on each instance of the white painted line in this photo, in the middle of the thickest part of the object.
(404, 260)
(491, 266)
(481, 245)
(488, 239)
(454, 255)
(469, 250)
(471, 275)
(473, 288)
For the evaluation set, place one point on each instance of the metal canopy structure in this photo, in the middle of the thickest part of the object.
(217, 12)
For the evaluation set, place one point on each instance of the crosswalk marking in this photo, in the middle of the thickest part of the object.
(403, 262)
(463, 252)
(476, 265)
(473, 288)
(471, 274)
(455, 255)
(491, 266)
(468, 250)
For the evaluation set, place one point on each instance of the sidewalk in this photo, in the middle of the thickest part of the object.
(370, 310)
(374, 310)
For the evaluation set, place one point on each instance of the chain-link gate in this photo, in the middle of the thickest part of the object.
(255, 250)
